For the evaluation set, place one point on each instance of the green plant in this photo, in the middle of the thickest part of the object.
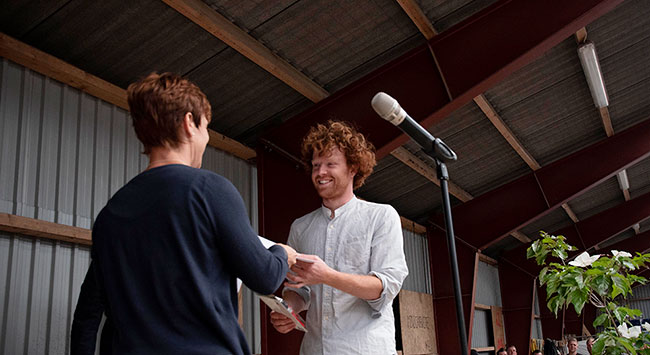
(602, 280)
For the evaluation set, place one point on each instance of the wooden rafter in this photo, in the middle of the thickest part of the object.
(412, 226)
(570, 212)
(219, 26)
(57, 69)
(415, 163)
(505, 131)
(607, 121)
(581, 35)
(418, 17)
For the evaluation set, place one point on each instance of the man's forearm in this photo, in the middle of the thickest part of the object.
(367, 287)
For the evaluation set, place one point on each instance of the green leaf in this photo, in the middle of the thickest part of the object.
(554, 304)
(600, 320)
(601, 284)
(627, 344)
(598, 346)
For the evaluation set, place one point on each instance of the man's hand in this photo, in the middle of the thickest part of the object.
(308, 273)
(281, 323)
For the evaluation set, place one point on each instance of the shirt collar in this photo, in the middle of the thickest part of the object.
(341, 210)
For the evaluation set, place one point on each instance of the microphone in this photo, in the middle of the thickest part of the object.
(389, 109)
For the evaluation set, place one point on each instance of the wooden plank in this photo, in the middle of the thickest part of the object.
(581, 35)
(487, 348)
(412, 226)
(418, 17)
(521, 237)
(481, 306)
(428, 172)
(505, 131)
(607, 121)
(488, 260)
(417, 323)
(57, 69)
(497, 327)
(43, 229)
(219, 26)
(230, 145)
(570, 213)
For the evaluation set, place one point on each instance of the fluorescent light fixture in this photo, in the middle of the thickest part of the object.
(637, 228)
(623, 182)
(589, 61)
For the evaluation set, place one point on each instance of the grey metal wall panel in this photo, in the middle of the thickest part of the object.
(416, 250)
(642, 294)
(41, 281)
(488, 289)
(63, 153)
(482, 329)
(537, 323)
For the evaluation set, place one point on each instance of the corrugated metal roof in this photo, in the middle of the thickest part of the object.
(120, 42)
(327, 39)
(444, 14)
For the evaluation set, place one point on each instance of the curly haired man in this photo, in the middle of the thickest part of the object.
(357, 263)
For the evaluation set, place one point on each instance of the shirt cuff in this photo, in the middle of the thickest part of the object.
(378, 304)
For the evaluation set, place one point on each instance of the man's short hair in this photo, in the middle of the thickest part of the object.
(535, 352)
(358, 151)
(501, 350)
(158, 104)
(570, 339)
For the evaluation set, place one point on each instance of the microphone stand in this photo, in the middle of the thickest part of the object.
(440, 153)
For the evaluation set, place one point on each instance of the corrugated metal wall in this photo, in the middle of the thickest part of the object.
(640, 300)
(416, 249)
(488, 293)
(537, 322)
(63, 153)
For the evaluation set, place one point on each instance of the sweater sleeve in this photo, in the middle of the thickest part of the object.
(87, 316)
(260, 269)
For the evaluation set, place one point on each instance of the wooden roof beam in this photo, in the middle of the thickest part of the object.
(219, 26)
(68, 74)
(418, 17)
(505, 131)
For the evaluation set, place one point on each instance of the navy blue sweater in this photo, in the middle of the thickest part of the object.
(167, 249)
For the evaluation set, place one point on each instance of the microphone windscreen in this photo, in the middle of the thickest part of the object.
(384, 105)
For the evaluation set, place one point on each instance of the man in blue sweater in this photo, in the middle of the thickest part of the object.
(169, 246)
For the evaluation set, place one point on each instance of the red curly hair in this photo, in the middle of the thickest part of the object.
(359, 152)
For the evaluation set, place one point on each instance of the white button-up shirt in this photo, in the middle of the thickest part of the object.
(363, 238)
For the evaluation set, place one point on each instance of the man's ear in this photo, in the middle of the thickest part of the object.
(188, 124)
(354, 169)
